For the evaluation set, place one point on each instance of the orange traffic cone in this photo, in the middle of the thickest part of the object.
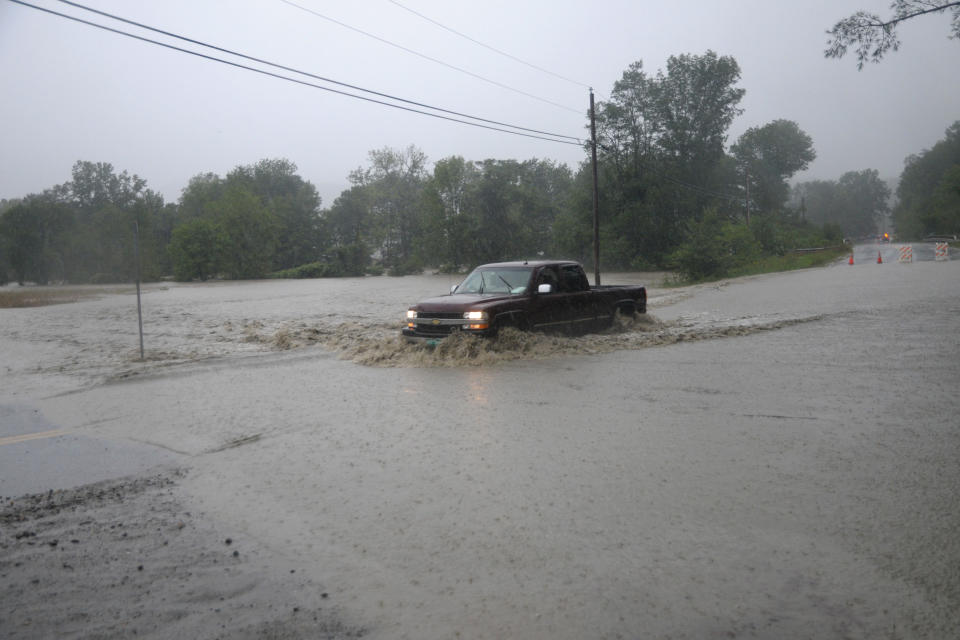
(879, 258)
(851, 259)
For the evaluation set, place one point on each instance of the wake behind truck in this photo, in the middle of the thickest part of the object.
(543, 295)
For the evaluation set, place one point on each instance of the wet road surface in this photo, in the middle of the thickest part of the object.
(799, 480)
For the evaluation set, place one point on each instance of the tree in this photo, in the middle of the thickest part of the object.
(394, 184)
(33, 237)
(715, 246)
(866, 199)
(924, 192)
(770, 155)
(194, 249)
(661, 155)
(247, 233)
(821, 201)
(347, 224)
(200, 190)
(873, 37)
(854, 203)
(944, 217)
(106, 207)
(22, 238)
(447, 215)
(294, 203)
(96, 185)
(696, 101)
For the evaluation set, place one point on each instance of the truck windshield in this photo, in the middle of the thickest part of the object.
(497, 280)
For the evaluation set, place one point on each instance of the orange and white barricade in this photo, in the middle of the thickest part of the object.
(905, 253)
(941, 251)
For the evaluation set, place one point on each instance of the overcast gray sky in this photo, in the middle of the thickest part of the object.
(70, 92)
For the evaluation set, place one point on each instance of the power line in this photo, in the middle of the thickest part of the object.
(431, 59)
(486, 46)
(294, 80)
(309, 75)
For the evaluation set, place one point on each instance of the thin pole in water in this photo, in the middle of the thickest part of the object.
(596, 195)
(136, 251)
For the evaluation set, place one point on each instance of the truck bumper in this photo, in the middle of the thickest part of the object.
(432, 338)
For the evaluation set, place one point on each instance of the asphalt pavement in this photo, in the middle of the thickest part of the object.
(37, 456)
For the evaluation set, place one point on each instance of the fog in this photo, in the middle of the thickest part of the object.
(72, 92)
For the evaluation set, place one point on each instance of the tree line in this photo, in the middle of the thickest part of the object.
(671, 192)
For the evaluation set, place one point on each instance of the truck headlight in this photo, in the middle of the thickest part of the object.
(411, 314)
(476, 320)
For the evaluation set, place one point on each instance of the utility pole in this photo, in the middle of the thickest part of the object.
(596, 195)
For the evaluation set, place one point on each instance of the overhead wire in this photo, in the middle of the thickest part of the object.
(518, 131)
(308, 74)
(430, 58)
(486, 46)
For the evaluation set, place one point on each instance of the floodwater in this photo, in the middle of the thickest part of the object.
(768, 457)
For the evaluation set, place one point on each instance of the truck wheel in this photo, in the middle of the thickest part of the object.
(626, 310)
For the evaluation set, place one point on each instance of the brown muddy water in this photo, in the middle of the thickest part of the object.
(770, 457)
(94, 339)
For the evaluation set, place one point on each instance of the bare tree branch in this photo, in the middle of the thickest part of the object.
(872, 37)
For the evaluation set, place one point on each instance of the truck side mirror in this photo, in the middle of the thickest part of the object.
(545, 288)
(454, 288)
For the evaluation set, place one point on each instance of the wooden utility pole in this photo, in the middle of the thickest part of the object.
(596, 195)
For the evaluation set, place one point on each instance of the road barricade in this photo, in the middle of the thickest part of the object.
(906, 253)
(941, 251)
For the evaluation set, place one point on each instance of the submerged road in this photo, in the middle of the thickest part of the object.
(37, 457)
(794, 482)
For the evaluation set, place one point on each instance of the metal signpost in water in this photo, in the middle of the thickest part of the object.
(136, 253)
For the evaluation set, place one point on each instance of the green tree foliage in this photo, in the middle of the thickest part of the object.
(265, 217)
(194, 249)
(927, 193)
(393, 188)
(873, 37)
(33, 238)
(661, 154)
(348, 226)
(292, 201)
(200, 190)
(768, 156)
(855, 203)
(448, 221)
(246, 233)
(492, 210)
(84, 230)
(715, 246)
(945, 204)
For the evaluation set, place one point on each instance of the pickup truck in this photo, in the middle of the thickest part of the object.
(544, 295)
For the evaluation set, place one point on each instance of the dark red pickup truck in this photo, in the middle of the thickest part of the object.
(537, 295)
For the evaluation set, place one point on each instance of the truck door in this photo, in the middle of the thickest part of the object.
(548, 311)
(576, 287)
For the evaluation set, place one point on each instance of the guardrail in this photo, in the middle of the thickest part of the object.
(815, 249)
